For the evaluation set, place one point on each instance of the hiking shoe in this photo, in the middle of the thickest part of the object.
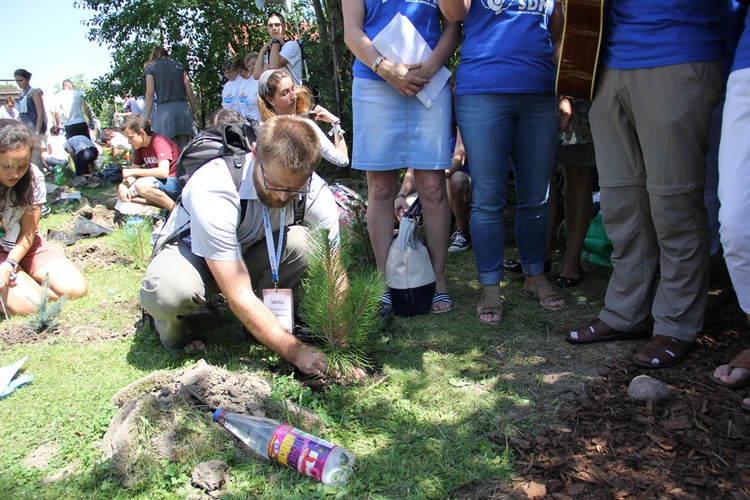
(460, 242)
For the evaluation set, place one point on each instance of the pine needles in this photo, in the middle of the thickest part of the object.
(47, 311)
(340, 303)
(134, 240)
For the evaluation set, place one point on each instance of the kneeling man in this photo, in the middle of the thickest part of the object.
(242, 243)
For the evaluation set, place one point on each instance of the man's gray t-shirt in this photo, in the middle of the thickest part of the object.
(212, 208)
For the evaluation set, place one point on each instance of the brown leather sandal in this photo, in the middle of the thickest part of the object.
(661, 352)
(543, 291)
(490, 303)
(599, 331)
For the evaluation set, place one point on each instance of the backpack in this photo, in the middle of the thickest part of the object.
(230, 141)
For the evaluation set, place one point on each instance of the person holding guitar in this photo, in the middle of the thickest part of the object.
(660, 80)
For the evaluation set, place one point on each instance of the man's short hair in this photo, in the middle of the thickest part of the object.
(107, 134)
(290, 141)
(281, 18)
(226, 116)
(136, 123)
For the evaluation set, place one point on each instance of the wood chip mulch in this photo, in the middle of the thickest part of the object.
(694, 445)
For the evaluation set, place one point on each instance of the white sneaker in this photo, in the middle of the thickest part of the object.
(460, 242)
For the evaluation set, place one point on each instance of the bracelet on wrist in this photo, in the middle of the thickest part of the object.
(376, 64)
(400, 195)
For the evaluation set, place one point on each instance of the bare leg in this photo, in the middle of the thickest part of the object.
(578, 205)
(437, 224)
(151, 194)
(381, 188)
(64, 279)
(21, 297)
(459, 199)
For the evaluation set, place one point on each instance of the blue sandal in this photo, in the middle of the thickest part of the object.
(441, 297)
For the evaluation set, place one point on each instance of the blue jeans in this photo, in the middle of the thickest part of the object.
(498, 129)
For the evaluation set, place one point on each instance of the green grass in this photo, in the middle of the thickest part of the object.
(448, 394)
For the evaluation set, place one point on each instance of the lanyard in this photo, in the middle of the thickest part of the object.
(274, 257)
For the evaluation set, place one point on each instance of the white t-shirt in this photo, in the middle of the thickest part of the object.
(248, 97)
(211, 206)
(292, 52)
(229, 95)
(119, 141)
(5, 114)
(70, 106)
(10, 225)
(56, 144)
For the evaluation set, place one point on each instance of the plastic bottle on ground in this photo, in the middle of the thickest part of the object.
(310, 455)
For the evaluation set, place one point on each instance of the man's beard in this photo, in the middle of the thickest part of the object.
(268, 200)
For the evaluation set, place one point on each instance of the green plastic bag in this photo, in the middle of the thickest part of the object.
(596, 247)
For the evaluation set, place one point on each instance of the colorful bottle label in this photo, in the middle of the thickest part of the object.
(299, 450)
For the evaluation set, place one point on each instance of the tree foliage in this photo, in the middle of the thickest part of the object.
(202, 34)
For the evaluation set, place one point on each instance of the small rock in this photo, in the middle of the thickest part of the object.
(210, 475)
(645, 388)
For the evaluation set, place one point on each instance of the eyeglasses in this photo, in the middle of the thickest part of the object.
(304, 190)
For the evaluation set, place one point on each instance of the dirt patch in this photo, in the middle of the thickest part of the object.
(40, 457)
(93, 253)
(167, 398)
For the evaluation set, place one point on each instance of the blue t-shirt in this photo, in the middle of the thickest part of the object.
(506, 48)
(653, 33)
(742, 56)
(424, 15)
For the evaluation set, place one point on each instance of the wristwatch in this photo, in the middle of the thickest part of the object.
(275, 40)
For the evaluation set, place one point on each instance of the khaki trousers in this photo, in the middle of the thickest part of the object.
(650, 129)
(177, 281)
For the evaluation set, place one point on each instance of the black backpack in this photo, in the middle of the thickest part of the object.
(230, 141)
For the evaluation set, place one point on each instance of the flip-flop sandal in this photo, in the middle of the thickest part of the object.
(441, 297)
(741, 360)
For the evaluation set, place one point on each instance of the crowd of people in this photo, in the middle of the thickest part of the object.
(646, 134)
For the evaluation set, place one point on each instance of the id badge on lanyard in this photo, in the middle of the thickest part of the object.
(278, 300)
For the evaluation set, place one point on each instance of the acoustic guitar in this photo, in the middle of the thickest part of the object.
(581, 43)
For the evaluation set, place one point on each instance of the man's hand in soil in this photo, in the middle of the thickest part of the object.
(309, 360)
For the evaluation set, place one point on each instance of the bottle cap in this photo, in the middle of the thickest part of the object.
(217, 413)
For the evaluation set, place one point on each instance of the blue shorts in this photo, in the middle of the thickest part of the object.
(392, 131)
(170, 185)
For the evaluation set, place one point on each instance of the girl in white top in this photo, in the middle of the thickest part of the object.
(25, 258)
(277, 95)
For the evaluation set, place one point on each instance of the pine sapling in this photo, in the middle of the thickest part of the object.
(47, 311)
(134, 240)
(339, 303)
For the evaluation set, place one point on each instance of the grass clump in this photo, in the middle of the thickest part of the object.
(47, 311)
(340, 303)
